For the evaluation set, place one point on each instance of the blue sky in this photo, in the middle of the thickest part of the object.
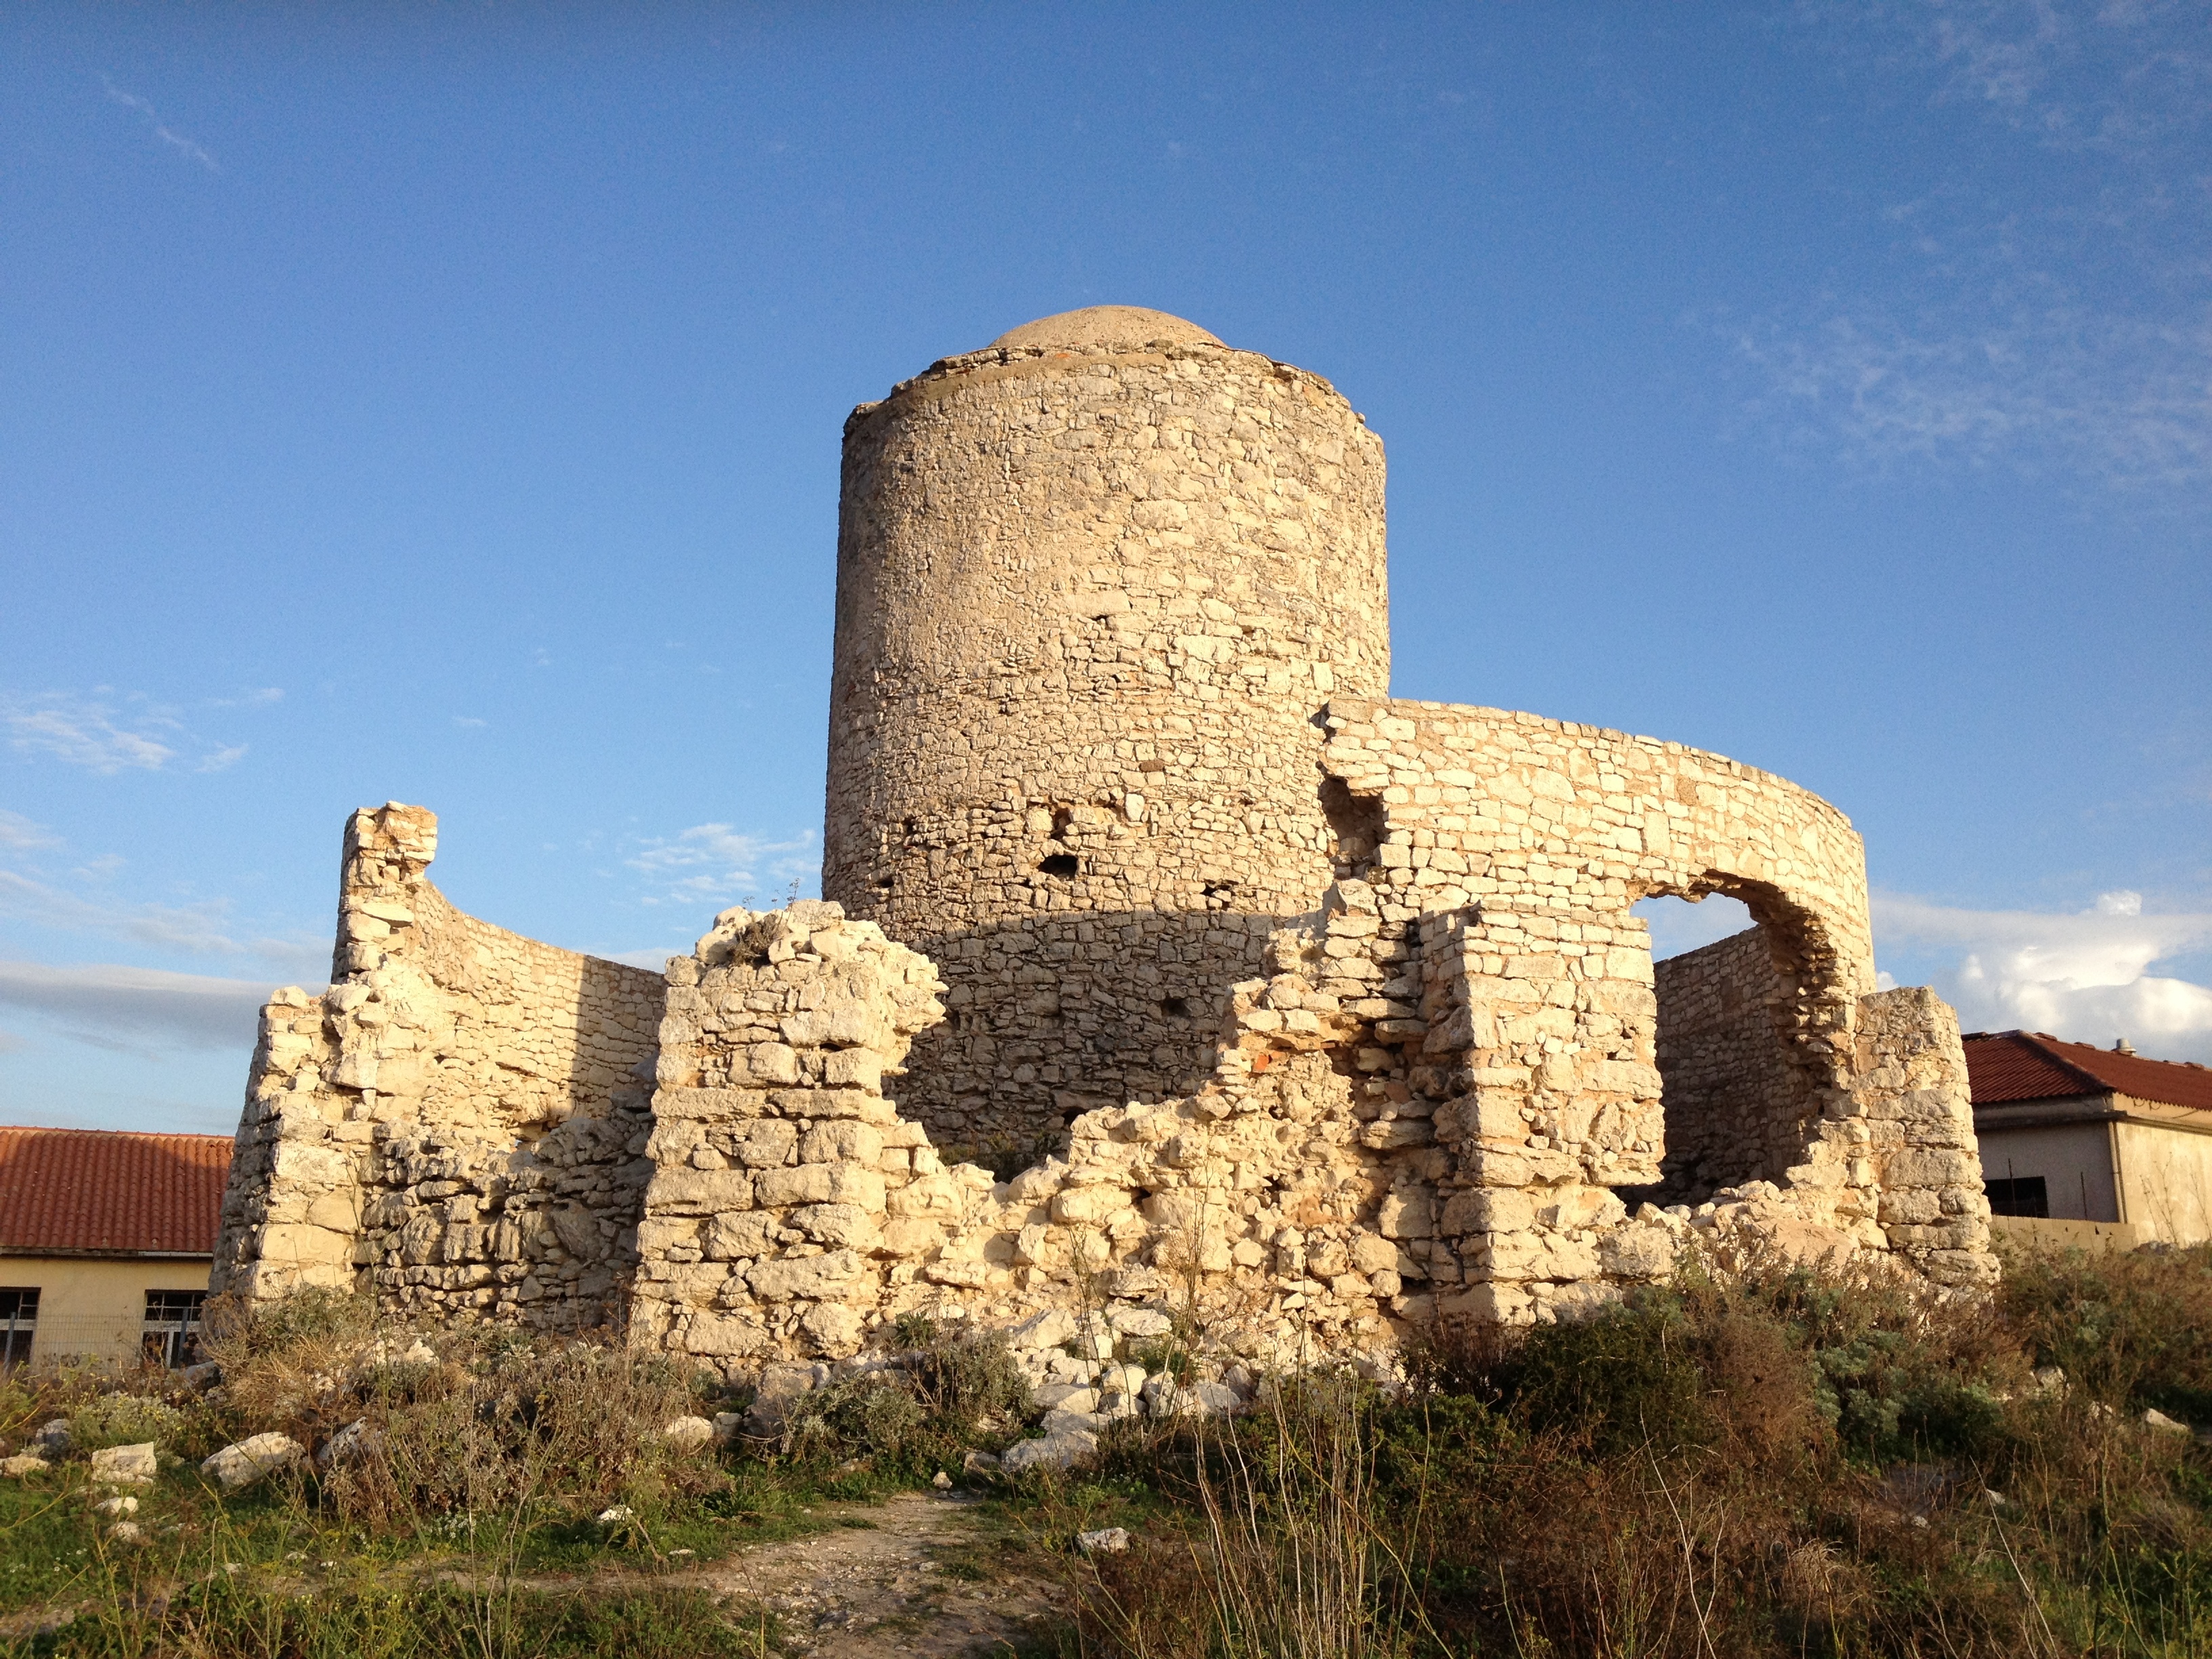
(442, 404)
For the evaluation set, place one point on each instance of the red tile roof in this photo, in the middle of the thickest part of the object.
(2004, 1066)
(99, 1190)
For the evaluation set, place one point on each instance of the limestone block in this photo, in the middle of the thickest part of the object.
(724, 1335)
(687, 1435)
(126, 1466)
(1088, 1206)
(1408, 1212)
(841, 1143)
(736, 1237)
(838, 1225)
(256, 1457)
(682, 1191)
(805, 1183)
(1643, 1251)
(1931, 1167)
(911, 1237)
(836, 1329)
(1065, 1447)
(829, 1276)
(766, 1142)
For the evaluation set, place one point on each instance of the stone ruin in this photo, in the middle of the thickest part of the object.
(1168, 965)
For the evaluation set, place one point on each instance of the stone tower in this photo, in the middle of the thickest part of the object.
(1094, 585)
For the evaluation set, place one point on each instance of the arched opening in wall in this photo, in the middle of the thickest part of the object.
(1740, 1091)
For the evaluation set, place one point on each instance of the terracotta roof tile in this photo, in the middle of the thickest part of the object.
(99, 1190)
(2005, 1066)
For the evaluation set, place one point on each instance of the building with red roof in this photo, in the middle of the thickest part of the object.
(105, 1241)
(2075, 1132)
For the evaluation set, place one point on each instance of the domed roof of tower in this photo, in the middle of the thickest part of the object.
(1106, 328)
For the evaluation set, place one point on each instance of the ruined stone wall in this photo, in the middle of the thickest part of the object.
(784, 1181)
(460, 1121)
(1408, 1117)
(1484, 805)
(1736, 1109)
(1911, 1130)
(1091, 596)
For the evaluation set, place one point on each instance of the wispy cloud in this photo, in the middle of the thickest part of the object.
(2125, 400)
(199, 929)
(2084, 976)
(159, 129)
(106, 732)
(2049, 307)
(19, 834)
(84, 733)
(470, 722)
(711, 862)
(138, 1009)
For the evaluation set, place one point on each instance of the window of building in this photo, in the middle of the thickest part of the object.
(19, 1321)
(172, 1331)
(2019, 1195)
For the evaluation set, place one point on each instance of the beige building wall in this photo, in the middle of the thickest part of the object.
(2074, 1159)
(94, 1306)
(2166, 1181)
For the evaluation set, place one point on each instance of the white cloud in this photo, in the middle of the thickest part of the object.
(2050, 310)
(2125, 399)
(107, 734)
(155, 124)
(84, 733)
(199, 929)
(19, 834)
(2085, 977)
(711, 862)
(469, 721)
(135, 1010)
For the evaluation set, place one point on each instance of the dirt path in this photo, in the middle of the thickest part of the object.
(913, 1575)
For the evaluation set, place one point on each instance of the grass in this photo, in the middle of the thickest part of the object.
(1783, 1463)
(1778, 1464)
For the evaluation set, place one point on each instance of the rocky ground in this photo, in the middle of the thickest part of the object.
(915, 1575)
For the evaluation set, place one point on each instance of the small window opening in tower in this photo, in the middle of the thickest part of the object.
(1355, 828)
(1175, 1007)
(1059, 864)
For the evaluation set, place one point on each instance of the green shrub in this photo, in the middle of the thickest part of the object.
(124, 1419)
(2133, 1329)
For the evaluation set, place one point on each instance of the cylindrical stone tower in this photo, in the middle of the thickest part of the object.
(1094, 585)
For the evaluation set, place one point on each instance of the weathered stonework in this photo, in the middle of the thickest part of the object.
(460, 1120)
(1736, 1109)
(1094, 588)
(1325, 1014)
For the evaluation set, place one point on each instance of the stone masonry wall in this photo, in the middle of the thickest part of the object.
(1091, 596)
(1300, 1011)
(459, 1120)
(1736, 1109)
(1486, 806)
(1408, 1117)
(783, 1179)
